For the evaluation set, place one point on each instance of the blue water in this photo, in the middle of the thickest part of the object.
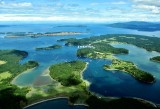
(107, 83)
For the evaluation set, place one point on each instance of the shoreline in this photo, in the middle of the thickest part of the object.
(86, 82)
(131, 75)
(26, 71)
(99, 96)
(87, 85)
(55, 98)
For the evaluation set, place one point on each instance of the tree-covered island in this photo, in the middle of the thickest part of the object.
(131, 69)
(50, 47)
(156, 59)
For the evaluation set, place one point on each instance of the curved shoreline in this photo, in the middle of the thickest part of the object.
(56, 98)
(14, 79)
(109, 98)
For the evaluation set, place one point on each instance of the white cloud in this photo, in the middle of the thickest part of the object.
(110, 18)
(108, 3)
(152, 6)
(153, 9)
(20, 4)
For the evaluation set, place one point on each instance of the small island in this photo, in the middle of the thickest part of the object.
(131, 69)
(155, 59)
(50, 47)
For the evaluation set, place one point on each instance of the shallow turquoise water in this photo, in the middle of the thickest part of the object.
(107, 83)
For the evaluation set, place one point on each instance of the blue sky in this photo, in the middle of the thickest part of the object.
(80, 10)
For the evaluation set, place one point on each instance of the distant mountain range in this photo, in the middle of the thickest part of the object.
(138, 25)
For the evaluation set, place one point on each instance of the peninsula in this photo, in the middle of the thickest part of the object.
(9, 69)
(131, 69)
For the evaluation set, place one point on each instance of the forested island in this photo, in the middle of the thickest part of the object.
(11, 96)
(49, 47)
(36, 35)
(137, 25)
(156, 59)
(131, 69)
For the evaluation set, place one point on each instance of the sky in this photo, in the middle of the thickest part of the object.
(80, 10)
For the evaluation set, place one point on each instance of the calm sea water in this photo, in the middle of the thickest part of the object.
(107, 83)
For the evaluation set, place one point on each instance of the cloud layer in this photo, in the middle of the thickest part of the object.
(80, 10)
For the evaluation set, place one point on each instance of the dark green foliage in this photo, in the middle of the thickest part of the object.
(13, 97)
(104, 47)
(50, 47)
(122, 103)
(68, 73)
(74, 97)
(141, 75)
(84, 51)
(130, 68)
(31, 64)
(157, 59)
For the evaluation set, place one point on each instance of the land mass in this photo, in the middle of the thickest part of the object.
(99, 47)
(131, 69)
(36, 35)
(137, 25)
(72, 26)
(50, 47)
(69, 75)
(11, 96)
(148, 43)
(156, 59)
